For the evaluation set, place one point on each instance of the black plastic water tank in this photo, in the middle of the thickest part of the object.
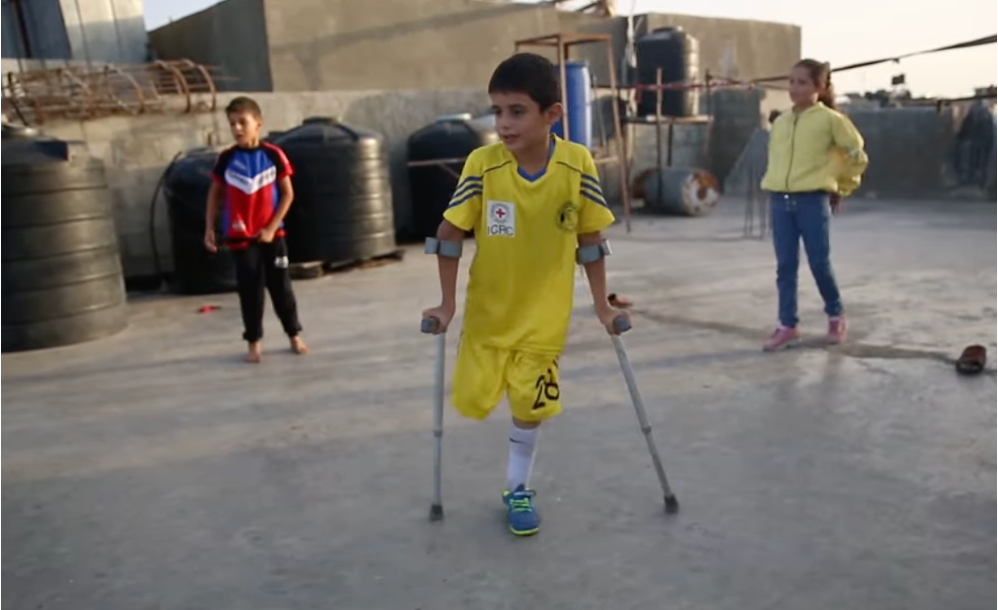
(432, 186)
(678, 55)
(343, 200)
(61, 281)
(195, 270)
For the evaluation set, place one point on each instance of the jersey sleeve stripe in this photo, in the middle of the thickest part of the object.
(469, 180)
(456, 201)
(586, 178)
(467, 187)
(598, 200)
(592, 193)
(594, 189)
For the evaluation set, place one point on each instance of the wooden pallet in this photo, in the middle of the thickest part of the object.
(314, 270)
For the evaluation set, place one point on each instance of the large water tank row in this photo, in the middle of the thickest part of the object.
(342, 210)
(195, 270)
(62, 279)
(432, 185)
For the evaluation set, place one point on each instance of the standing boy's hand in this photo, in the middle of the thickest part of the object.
(443, 314)
(209, 241)
(266, 234)
(608, 314)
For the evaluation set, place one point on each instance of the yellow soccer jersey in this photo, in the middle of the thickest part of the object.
(522, 279)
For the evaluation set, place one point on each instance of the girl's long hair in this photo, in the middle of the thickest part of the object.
(821, 74)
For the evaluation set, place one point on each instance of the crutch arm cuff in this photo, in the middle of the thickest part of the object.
(444, 247)
(593, 252)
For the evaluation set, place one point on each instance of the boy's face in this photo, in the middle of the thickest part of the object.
(245, 127)
(520, 122)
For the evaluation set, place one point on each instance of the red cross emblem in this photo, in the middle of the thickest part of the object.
(500, 213)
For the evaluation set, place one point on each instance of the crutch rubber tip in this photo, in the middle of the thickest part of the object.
(429, 325)
(436, 512)
(671, 505)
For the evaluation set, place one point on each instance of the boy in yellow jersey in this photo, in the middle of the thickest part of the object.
(537, 209)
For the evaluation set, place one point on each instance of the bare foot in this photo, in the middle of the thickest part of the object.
(255, 353)
(298, 345)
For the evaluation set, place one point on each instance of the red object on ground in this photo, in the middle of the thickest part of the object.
(208, 308)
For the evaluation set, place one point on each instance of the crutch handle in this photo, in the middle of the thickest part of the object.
(621, 324)
(429, 326)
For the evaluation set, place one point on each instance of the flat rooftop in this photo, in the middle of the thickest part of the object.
(154, 469)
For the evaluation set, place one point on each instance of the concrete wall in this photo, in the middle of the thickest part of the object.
(10, 43)
(106, 30)
(319, 45)
(137, 149)
(83, 30)
(344, 44)
(909, 151)
(231, 34)
(45, 36)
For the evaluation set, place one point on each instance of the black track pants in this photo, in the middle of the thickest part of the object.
(262, 266)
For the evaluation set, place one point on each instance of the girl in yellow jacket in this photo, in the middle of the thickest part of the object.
(815, 158)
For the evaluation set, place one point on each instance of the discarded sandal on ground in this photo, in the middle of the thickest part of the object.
(972, 360)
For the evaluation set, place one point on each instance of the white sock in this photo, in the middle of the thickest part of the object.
(522, 449)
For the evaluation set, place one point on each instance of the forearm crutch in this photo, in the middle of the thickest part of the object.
(622, 325)
(429, 326)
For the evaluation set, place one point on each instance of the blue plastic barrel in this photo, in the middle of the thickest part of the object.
(578, 106)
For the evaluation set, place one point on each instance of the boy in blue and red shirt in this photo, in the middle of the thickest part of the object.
(253, 181)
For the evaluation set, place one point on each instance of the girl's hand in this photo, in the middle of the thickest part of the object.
(835, 202)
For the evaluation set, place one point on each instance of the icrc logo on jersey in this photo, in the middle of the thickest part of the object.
(501, 219)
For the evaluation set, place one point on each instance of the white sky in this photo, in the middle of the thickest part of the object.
(839, 31)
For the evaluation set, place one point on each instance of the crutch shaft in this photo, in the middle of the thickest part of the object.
(431, 325)
(639, 408)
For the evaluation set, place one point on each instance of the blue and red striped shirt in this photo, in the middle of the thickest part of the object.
(250, 177)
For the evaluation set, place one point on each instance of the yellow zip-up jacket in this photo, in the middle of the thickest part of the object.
(818, 149)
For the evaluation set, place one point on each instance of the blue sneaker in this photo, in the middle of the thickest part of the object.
(520, 513)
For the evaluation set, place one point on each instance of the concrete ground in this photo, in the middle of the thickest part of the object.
(155, 470)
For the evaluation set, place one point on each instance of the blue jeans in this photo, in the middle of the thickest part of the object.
(796, 217)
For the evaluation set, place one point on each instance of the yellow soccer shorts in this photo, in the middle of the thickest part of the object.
(483, 373)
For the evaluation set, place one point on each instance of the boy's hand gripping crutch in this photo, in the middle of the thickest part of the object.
(429, 326)
(622, 325)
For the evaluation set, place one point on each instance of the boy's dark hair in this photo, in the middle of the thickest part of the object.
(527, 73)
(244, 104)
(821, 74)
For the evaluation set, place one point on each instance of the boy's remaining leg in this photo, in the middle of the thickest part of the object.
(786, 243)
(814, 218)
(534, 392)
(479, 379)
(518, 497)
(250, 283)
(281, 292)
(522, 450)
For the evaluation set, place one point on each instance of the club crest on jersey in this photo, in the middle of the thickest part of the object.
(501, 219)
(568, 217)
